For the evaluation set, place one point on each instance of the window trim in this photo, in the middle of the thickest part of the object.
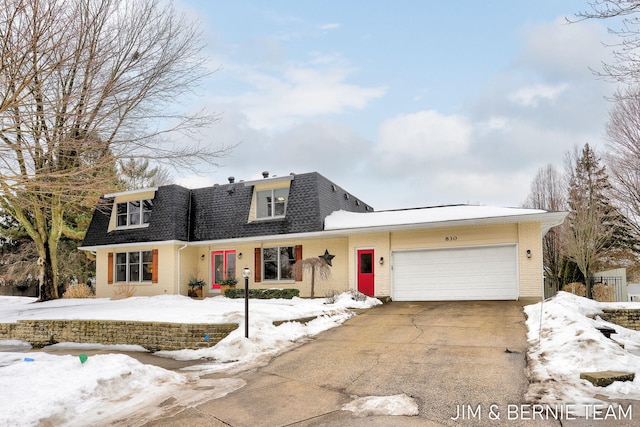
(128, 214)
(259, 264)
(273, 215)
(112, 276)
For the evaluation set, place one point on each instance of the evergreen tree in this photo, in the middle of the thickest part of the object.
(595, 228)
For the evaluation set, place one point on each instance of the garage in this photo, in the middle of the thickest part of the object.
(469, 273)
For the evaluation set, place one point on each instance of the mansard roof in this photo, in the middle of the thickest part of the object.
(221, 212)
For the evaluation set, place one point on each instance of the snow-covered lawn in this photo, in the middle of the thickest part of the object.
(39, 387)
(63, 390)
(564, 342)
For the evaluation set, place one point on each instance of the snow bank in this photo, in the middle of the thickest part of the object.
(564, 342)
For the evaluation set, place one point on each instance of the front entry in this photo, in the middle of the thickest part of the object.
(223, 267)
(365, 271)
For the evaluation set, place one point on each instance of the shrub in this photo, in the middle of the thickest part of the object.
(78, 290)
(603, 293)
(263, 293)
(124, 290)
(357, 295)
(331, 296)
(576, 288)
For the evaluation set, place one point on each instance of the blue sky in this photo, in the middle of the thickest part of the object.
(404, 104)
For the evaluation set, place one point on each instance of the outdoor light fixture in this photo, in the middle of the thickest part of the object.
(528, 253)
(246, 273)
(240, 255)
(202, 257)
(381, 260)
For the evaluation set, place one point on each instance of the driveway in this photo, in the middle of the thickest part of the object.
(461, 360)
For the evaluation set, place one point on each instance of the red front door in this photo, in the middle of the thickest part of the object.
(365, 271)
(223, 266)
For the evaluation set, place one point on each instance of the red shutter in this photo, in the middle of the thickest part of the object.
(110, 268)
(257, 265)
(298, 253)
(154, 267)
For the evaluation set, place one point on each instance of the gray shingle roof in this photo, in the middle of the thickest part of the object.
(222, 212)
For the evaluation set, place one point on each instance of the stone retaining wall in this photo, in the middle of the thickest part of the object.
(153, 336)
(628, 318)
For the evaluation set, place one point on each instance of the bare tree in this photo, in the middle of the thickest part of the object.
(625, 67)
(83, 84)
(318, 268)
(548, 191)
(623, 157)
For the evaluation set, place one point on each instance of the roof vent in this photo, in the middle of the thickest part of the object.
(265, 174)
(232, 180)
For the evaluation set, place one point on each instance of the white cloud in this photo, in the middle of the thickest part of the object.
(276, 102)
(298, 117)
(563, 50)
(331, 26)
(531, 95)
(422, 137)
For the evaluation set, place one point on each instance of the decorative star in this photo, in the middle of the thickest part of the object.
(327, 257)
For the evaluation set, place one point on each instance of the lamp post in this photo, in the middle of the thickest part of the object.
(246, 273)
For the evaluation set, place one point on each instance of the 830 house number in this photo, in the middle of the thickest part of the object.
(451, 238)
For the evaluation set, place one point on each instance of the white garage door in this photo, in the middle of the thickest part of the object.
(482, 273)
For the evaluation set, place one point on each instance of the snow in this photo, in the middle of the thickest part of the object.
(347, 220)
(564, 342)
(49, 389)
(400, 404)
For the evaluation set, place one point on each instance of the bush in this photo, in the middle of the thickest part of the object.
(576, 288)
(124, 290)
(78, 290)
(263, 293)
(357, 295)
(330, 297)
(603, 293)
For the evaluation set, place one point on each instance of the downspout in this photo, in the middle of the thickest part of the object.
(184, 246)
(179, 269)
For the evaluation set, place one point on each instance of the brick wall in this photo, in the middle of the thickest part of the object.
(628, 318)
(153, 336)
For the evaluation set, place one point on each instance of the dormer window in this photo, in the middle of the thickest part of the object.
(134, 213)
(272, 203)
(270, 198)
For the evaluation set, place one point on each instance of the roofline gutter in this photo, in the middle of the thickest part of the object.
(547, 221)
(132, 245)
(550, 219)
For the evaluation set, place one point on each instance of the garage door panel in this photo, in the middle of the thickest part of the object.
(455, 274)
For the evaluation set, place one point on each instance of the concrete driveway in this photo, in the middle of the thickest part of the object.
(461, 360)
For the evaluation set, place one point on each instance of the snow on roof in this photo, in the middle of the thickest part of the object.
(345, 220)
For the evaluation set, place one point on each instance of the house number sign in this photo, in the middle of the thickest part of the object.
(451, 238)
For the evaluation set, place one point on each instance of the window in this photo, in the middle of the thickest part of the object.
(133, 213)
(134, 266)
(223, 264)
(272, 203)
(277, 263)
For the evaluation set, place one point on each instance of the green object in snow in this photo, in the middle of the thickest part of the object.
(83, 358)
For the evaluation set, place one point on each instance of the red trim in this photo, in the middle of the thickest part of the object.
(154, 266)
(110, 268)
(298, 250)
(257, 265)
